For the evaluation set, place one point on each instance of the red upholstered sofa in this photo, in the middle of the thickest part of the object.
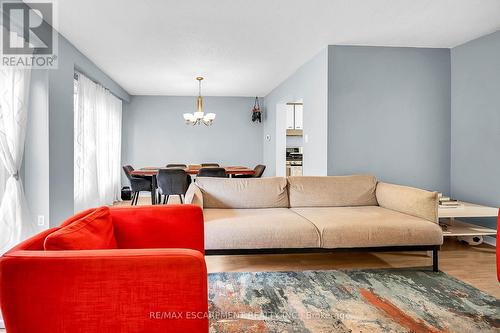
(155, 280)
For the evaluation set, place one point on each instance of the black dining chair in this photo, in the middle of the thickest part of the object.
(259, 170)
(174, 181)
(209, 165)
(139, 184)
(183, 166)
(212, 172)
(180, 166)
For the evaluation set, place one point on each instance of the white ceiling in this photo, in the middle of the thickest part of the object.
(247, 47)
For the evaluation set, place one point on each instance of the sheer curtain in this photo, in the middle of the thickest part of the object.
(15, 221)
(97, 145)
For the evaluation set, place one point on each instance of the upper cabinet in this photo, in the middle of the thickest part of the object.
(294, 116)
(298, 123)
(290, 117)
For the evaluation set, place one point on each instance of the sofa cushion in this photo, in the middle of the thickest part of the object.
(370, 226)
(93, 231)
(333, 191)
(243, 192)
(258, 229)
(408, 200)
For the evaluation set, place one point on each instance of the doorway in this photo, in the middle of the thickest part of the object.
(289, 139)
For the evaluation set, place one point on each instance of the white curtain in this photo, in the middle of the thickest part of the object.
(15, 220)
(97, 143)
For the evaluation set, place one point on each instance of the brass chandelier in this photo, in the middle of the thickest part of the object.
(199, 117)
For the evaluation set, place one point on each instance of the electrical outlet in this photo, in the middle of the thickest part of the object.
(41, 220)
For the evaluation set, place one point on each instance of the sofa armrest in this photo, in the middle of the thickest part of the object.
(104, 291)
(194, 195)
(408, 200)
(160, 226)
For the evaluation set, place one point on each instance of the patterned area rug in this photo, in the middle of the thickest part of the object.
(397, 300)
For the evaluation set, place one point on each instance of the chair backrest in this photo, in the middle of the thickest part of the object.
(183, 166)
(212, 172)
(172, 181)
(128, 169)
(259, 170)
(210, 165)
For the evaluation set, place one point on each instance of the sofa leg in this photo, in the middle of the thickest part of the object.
(435, 260)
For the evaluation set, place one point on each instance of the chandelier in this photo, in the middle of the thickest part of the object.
(199, 117)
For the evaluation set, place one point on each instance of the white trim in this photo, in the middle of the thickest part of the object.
(2, 325)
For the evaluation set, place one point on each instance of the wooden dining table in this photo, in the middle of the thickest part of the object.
(191, 170)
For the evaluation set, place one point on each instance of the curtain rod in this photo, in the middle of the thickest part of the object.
(77, 73)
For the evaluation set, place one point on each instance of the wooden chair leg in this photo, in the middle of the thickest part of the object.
(133, 198)
(181, 197)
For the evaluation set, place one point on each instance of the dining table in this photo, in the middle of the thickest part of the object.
(191, 170)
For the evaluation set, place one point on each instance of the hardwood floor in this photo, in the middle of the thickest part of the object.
(474, 265)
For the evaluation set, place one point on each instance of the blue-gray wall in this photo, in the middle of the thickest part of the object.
(475, 122)
(61, 124)
(389, 114)
(154, 132)
(36, 178)
(309, 85)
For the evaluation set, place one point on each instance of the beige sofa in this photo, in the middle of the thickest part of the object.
(315, 214)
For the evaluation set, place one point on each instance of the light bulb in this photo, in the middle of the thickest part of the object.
(209, 116)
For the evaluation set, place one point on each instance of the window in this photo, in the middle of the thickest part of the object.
(97, 144)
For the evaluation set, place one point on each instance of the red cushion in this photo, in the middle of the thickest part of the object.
(93, 231)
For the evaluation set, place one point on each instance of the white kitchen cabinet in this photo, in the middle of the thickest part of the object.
(296, 170)
(294, 117)
(290, 117)
(298, 122)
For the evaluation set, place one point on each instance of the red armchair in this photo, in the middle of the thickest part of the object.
(156, 281)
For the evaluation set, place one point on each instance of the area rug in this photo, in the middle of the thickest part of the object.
(395, 300)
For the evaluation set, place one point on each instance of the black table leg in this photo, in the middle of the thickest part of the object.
(153, 190)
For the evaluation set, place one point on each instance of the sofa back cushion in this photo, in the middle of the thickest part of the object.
(93, 231)
(243, 192)
(333, 191)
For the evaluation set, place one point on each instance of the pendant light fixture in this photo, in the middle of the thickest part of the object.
(199, 117)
